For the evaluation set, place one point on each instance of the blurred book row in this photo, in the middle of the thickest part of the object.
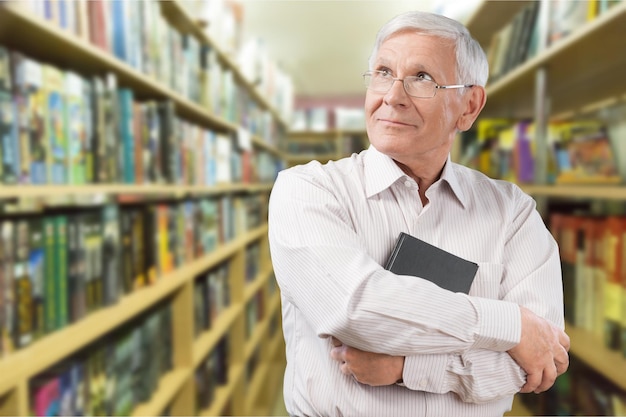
(578, 151)
(57, 268)
(58, 127)
(144, 35)
(536, 26)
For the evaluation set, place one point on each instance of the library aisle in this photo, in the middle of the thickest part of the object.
(139, 144)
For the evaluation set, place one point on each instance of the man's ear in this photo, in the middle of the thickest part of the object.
(474, 101)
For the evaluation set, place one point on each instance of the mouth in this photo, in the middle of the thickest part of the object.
(393, 122)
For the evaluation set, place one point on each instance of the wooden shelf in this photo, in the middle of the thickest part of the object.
(583, 68)
(45, 42)
(606, 192)
(490, 16)
(207, 341)
(169, 385)
(42, 40)
(179, 17)
(100, 191)
(224, 393)
(27, 362)
(591, 349)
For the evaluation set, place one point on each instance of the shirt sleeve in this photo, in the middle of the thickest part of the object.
(533, 279)
(323, 268)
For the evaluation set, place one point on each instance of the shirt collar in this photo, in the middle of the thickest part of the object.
(381, 172)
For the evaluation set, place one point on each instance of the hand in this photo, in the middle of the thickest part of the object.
(542, 352)
(368, 368)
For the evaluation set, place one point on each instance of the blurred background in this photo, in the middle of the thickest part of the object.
(139, 141)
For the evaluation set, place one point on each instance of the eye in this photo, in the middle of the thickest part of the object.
(424, 76)
(384, 72)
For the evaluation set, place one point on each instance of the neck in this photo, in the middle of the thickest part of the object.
(424, 175)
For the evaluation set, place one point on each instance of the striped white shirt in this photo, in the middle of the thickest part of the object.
(332, 226)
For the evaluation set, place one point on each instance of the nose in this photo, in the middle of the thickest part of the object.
(396, 96)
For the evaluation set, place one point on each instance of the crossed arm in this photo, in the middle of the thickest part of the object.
(383, 325)
(541, 353)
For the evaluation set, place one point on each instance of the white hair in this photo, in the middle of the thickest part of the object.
(471, 63)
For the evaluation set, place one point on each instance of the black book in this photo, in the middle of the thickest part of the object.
(412, 256)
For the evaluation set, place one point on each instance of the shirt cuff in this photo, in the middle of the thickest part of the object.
(425, 372)
(499, 324)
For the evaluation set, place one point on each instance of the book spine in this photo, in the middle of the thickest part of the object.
(50, 298)
(23, 286)
(111, 265)
(56, 129)
(74, 121)
(61, 273)
(9, 149)
(9, 297)
(125, 100)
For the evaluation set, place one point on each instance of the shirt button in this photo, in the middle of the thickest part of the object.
(422, 383)
(408, 184)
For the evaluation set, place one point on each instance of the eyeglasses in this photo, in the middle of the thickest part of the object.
(381, 82)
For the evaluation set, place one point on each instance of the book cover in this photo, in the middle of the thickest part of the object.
(50, 316)
(77, 233)
(112, 144)
(614, 235)
(36, 271)
(125, 125)
(413, 256)
(9, 151)
(111, 262)
(94, 262)
(74, 120)
(23, 286)
(98, 122)
(150, 244)
(61, 262)
(168, 141)
(89, 141)
(126, 252)
(152, 149)
(23, 78)
(139, 132)
(7, 326)
(56, 127)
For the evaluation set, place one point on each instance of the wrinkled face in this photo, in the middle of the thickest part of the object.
(405, 127)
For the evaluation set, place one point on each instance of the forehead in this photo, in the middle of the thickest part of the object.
(411, 47)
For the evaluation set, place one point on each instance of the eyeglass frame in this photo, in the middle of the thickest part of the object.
(394, 79)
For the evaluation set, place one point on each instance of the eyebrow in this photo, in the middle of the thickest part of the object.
(419, 67)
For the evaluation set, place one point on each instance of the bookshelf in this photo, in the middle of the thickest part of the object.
(323, 146)
(244, 393)
(570, 78)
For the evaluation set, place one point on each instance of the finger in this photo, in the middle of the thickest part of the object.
(336, 342)
(562, 363)
(336, 353)
(564, 341)
(532, 382)
(549, 376)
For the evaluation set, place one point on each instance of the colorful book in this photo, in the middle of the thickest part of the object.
(614, 234)
(170, 151)
(61, 271)
(9, 301)
(125, 132)
(112, 284)
(9, 149)
(75, 128)
(24, 333)
(56, 127)
(50, 289)
(30, 101)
